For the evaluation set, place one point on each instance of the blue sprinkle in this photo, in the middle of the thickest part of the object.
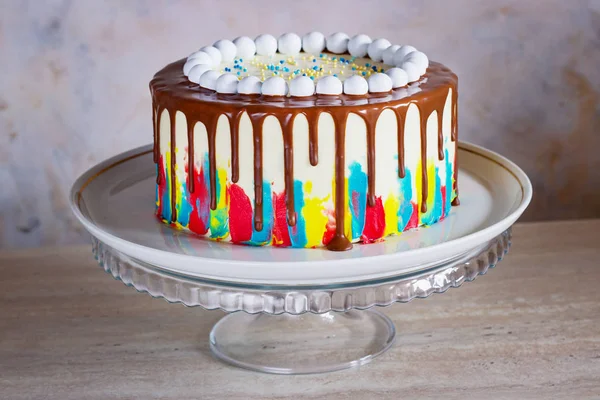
(303, 74)
(315, 68)
(382, 70)
(312, 77)
(374, 68)
(342, 59)
(333, 58)
(335, 75)
(314, 60)
(245, 69)
(235, 61)
(281, 61)
(353, 68)
(239, 73)
(367, 65)
(364, 73)
(241, 60)
(276, 73)
(321, 55)
(277, 67)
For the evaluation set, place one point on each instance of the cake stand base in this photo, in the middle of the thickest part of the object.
(302, 344)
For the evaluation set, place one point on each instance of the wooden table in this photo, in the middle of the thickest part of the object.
(528, 329)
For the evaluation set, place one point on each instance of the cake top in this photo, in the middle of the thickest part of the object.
(297, 66)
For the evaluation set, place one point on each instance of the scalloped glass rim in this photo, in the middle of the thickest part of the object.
(278, 299)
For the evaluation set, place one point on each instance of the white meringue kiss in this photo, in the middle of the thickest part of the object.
(329, 85)
(214, 53)
(266, 45)
(227, 49)
(388, 54)
(302, 86)
(401, 53)
(274, 86)
(245, 47)
(200, 57)
(399, 77)
(313, 42)
(379, 83)
(376, 48)
(208, 80)
(197, 71)
(227, 83)
(289, 44)
(412, 71)
(337, 43)
(249, 85)
(356, 85)
(418, 58)
(358, 45)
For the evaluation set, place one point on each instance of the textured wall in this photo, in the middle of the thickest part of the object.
(74, 86)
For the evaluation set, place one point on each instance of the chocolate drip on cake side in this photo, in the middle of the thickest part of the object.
(286, 121)
(172, 91)
(454, 137)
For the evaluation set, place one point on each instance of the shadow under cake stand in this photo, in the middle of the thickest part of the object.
(296, 311)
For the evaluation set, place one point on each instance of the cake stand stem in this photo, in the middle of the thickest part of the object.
(302, 344)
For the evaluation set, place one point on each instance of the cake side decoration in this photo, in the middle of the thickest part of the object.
(321, 106)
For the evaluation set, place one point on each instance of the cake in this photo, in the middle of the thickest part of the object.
(304, 142)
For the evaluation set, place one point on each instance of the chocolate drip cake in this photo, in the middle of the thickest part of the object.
(306, 141)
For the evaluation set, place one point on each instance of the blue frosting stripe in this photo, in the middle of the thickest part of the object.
(357, 198)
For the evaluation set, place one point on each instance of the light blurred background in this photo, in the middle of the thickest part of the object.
(74, 86)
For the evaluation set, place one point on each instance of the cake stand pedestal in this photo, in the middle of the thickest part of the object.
(304, 329)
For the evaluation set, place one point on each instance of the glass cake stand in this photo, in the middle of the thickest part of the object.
(297, 311)
(305, 329)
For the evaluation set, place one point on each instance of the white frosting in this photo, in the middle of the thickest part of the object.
(337, 43)
(356, 85)
(313, 42)
(214, 54)
(227, 83)
(302, 86)
(197, 71)
(399, 77)
(208, 80)
(379, 83)
(412, 70)
(418, 58)
(266, 64)
(388, 54)
(266, 45)
(274, 86)
(245, 47)
(249, 85)
(401, 53)
(329, 85)
(289, 44)
(376, 48)
(199, 58)
(358, 45)
(227, 49)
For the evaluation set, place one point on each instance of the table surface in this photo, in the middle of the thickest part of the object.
(528, 329)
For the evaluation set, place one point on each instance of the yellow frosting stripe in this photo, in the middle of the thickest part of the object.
(390, 208)
(314, 217)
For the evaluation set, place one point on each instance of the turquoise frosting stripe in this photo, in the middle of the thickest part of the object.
(357, 198)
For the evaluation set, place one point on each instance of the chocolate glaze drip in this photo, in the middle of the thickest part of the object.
(286, 121)
(313, 137)
(190, 137)
(173, 186)
(257, 120)
(172, 91)
(340, 242)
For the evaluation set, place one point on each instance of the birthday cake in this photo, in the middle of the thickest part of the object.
(306, 141)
